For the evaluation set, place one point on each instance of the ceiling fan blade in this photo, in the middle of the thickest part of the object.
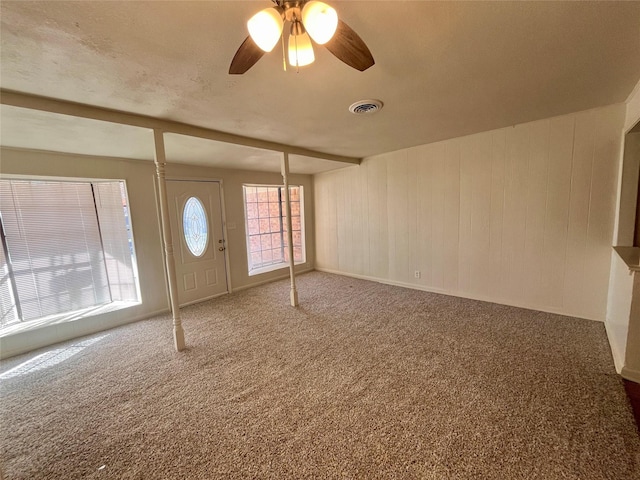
(246, 57)
(347, 46)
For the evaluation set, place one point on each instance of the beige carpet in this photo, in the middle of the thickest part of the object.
(362, 381)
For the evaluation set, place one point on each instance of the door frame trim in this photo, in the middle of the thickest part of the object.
(224, 222)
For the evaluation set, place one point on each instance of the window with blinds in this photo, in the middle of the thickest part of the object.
(66, 246)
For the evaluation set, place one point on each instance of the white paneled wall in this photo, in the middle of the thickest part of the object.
(521, 215)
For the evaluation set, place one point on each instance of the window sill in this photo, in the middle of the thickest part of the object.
(271, 268)
(19, 327)
(630, 256)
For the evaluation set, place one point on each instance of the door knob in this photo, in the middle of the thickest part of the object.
(221, 248)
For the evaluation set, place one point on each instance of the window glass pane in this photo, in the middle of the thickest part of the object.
(266, 227)
(254, 243)
(195, 226)
(277, 255)
(263, 210)
(274, 224)
(263, 194)
(252, 211)
(250, 194)
(253, 227)
(274, 210)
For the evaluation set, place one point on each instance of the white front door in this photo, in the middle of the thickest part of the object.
(197, 234)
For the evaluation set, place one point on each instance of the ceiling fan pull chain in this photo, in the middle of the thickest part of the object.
(295, 38)
(284, 54)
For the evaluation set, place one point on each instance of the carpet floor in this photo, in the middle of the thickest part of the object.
(363, 380)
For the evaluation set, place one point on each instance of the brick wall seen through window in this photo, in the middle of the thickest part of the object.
(266, 227)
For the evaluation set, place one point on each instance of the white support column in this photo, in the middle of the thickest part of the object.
(160, 160)
(287, 208)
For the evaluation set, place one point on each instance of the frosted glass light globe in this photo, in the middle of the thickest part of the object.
(300, 50)
(320, 20)
(265, 28)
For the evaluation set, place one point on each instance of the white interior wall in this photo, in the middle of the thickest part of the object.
(521, 216)
(140, 178)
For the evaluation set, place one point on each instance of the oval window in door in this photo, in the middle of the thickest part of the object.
(195, 226)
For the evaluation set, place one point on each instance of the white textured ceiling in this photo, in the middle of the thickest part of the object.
(443, 69)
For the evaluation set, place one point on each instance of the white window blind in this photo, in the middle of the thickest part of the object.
(8, 310)
(116, 239)
(68, 246)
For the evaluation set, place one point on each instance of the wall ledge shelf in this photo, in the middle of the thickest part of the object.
(630, 256)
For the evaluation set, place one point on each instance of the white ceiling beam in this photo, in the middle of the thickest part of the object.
(63, 107)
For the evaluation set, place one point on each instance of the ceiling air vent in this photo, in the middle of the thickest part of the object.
(365, 107)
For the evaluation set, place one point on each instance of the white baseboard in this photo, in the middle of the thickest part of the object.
(440, 291)
(616, 352)
(630, 374)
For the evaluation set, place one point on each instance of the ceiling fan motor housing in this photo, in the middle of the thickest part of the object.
(292, 11)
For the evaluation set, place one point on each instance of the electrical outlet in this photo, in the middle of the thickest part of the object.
(416, 274)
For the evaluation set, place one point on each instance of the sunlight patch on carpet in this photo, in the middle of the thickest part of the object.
(49, 359)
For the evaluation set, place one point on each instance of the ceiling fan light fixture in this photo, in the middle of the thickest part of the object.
(265, 28)
(320, 20)
(310, 20)
(300, 50)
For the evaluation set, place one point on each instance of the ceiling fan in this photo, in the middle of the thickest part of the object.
(308, 20)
